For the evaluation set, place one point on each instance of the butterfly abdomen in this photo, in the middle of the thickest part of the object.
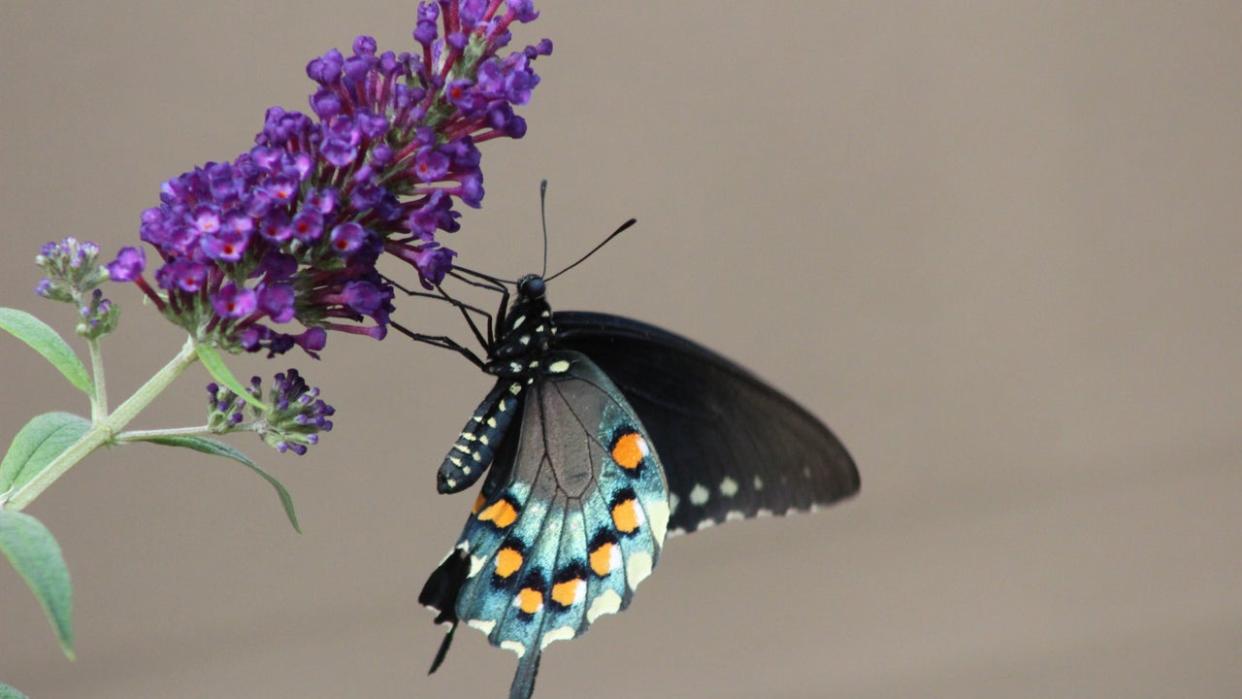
(515, 360)
(475, 447)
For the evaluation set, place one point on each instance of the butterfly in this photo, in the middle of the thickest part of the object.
(601, 437)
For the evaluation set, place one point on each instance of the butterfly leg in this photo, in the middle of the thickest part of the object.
(465, 309)
(486, 343)
(485, 282)
(442, 341)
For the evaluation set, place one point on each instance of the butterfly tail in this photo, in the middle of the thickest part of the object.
(524, 679)
(440, 593)
(444, 647)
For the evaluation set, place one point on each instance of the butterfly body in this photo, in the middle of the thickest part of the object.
(515, 357)
(577, 503)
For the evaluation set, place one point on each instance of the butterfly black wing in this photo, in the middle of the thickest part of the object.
(732, 446)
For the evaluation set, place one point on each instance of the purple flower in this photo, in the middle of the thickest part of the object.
(308, 226)
(183, 275)
(425, 31)
(313, 340)
(430, 165)
(206, 219)
(323, 201)
(348, 237)
(277, 302)
(363, 297)
(282, 188)
(292, 230)
(226, 246)
(434, 262)
(128, 265)
(232, 301)
(275, 227)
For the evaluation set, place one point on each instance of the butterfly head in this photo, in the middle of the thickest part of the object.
(526, 331)
(532, 286)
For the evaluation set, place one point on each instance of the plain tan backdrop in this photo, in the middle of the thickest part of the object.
(995, 245)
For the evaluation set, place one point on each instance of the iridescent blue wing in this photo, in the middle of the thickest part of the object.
(570, 520)
(733, 446)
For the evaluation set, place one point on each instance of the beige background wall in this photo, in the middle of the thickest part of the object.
(995, 245)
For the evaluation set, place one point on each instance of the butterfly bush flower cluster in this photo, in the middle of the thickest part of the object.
(73, 275)
(295, 416)
(292, 230)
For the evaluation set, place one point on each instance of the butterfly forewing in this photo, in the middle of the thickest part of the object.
(733, 447)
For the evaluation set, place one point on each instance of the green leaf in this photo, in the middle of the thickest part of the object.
(47, 342)
(215, 365)
(34, 553)
(7, 692)
(217, 448)
(37, 444)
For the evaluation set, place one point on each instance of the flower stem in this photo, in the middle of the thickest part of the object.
(142, 435)
(104, 430)
(99, 400)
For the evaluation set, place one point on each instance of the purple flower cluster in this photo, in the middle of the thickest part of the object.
(71, 270)
(225, 410)
(97, 316)
(292, 423)
(293, 228)
(73, 274)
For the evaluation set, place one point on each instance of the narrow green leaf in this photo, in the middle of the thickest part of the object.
(215, 366)
(37, 444)
(217, 448)
(47, 342)
(36, 556)
(7, 692)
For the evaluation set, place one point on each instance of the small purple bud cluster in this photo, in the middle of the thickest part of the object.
(293, 228)
(71, 268)
(73, 275)
(225, 410)
(97, 316)
(295, 417)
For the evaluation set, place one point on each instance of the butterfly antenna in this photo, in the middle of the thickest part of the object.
(543, 218)
(624, 227)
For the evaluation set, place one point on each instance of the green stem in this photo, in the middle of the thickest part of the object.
(105, 430)
(99, 400)
(140, 435)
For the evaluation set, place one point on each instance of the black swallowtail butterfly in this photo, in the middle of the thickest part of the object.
(603, 435)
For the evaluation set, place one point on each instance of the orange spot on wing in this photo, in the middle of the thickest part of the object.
(629, 450)
(601, 559)
(501, 513)
(479, 502)
(566, 593)
(507, 562)
(625, 515)
(530, 600)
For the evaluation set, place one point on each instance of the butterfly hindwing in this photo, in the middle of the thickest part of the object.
(733, 447)
(570, 520)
